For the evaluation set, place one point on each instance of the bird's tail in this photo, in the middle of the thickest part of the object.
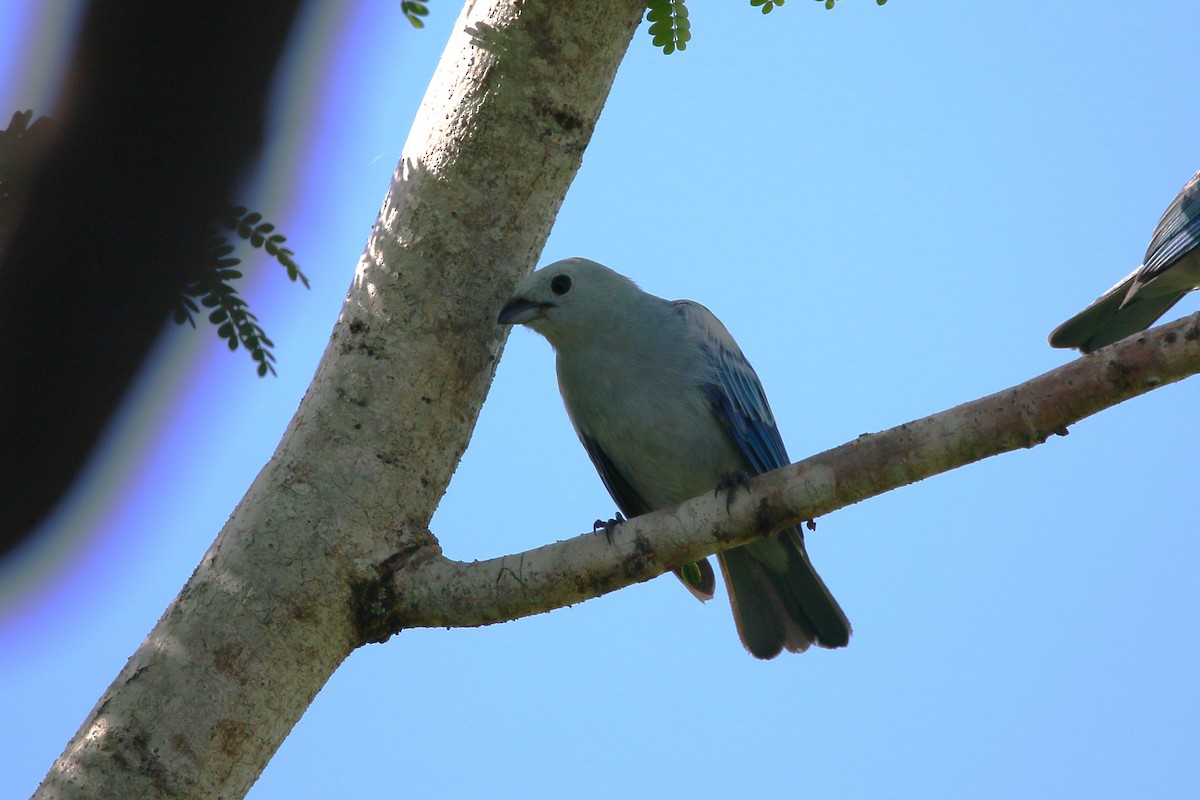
(1113, 315)
(779, 601)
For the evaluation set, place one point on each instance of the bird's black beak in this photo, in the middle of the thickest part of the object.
(519, 310)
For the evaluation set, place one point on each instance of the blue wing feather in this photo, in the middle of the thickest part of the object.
(775, 607)
(735, 392)
(1170, 269)
(1177, 233)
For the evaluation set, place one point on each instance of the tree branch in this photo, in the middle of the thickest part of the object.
(439, 592)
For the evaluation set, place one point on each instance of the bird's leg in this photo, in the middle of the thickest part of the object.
(731, 483)
(608, 526)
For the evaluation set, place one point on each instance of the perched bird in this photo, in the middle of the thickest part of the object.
(668, 408)
(1170, 270)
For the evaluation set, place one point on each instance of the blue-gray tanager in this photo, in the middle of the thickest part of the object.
(668, 408)
(1170, 270)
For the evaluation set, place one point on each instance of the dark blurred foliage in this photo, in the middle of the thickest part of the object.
(163, 111)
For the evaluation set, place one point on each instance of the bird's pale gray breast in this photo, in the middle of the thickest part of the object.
(645, 409)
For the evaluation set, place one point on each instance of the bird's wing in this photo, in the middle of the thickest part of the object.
(779, 601)
(1177, 233)
(1167, 273)
(699, 578)
(623, 494)
(735, 392)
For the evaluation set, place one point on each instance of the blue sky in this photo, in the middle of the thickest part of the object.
(889, 208)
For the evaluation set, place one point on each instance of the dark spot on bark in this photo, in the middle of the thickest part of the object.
(567, 120)
(764, 520)
(138, 747)
(563, 118)
(376, 606)
(230, 735)
(181, 746)
(346, 398)
(358, 342)
(226, 658)
(137, 673)
(643, 553)
(1120, 376)
(375, 617)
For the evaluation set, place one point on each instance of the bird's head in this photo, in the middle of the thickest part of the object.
(569, 298)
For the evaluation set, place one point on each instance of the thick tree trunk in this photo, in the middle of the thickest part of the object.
(277, 602)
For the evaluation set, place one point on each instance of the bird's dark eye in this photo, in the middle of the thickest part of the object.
(561, 284)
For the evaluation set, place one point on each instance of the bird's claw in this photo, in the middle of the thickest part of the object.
(608, 526)
(731, 483)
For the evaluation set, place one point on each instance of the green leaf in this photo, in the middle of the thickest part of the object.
(413, 11)
(216, 288)
(669, 28)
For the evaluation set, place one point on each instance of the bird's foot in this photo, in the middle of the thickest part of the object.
(731, 483)
(608, 526)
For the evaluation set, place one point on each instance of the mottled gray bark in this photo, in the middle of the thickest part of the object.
(274, 606)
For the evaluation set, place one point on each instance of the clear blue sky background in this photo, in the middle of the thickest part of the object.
(890, 208)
